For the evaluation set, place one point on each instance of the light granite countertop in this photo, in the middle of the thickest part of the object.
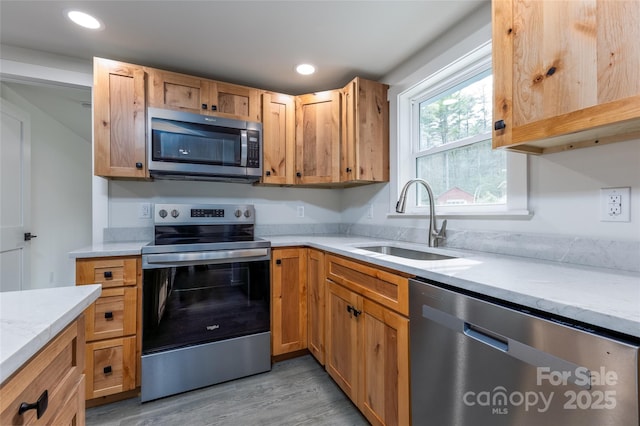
(597, 296)
(29, 319)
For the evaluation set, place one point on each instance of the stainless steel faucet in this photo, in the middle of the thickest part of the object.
(434, 235)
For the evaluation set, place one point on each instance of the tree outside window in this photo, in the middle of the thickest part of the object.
(453, 151)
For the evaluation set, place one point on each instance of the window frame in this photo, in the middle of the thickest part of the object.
(408, 101)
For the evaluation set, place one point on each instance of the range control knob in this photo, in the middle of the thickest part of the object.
(175, 213)
(162, 213)
(238, 213)
(247, 213)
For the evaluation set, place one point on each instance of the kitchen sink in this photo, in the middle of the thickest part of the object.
(406, 253)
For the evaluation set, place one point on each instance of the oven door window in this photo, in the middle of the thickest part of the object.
(181, 142)
(191, 305)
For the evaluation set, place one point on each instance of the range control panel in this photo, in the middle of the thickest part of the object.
(192, 214)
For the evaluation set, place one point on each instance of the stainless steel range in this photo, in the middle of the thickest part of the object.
(206, 291)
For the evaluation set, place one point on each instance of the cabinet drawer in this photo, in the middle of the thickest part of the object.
(110, 272)
(56, 369)
(111, 366)
(388, 289)
(112, 315)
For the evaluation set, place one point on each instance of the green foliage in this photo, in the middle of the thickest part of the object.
(463, 112)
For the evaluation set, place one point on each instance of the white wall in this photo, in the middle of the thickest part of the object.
(564, 187)
(60, 195)
(274, 205)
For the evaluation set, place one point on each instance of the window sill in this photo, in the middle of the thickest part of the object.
(511, 214)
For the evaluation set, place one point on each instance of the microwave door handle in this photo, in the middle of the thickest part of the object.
(243, 148)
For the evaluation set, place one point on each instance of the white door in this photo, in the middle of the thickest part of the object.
(15, 159)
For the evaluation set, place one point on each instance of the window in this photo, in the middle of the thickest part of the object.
(445, 125)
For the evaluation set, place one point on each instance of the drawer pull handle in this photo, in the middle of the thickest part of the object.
(108, 316)
(108, 274)
(107, 369)
(40, 405)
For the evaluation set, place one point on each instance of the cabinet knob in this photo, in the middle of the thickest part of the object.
(108, 274)
(205, 106)
(107, 369)
(214, 107)
(298, 174)
(139, 166)
(499, 125)
(348, 169)
(40, 405)
(268, 173)
(278, 262)
(108, 316)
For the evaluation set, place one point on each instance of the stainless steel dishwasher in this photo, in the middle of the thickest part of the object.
(483, 362)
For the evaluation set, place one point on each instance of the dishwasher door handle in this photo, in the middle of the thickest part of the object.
(508, 346)
(484, 337)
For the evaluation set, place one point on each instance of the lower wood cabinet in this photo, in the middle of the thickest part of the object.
(110, 366)
(316, 295)
(113, 327)
(55, 374)
(367, 344)
(288, 300)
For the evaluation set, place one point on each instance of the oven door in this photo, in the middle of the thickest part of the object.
(202, 297)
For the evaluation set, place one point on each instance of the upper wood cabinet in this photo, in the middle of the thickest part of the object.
(119, 119)
(566, 73)
(202, 96)
(278, 136)
(364, 153)
(318, 138)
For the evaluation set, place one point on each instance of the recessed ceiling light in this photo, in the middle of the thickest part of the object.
(305, 69)
(84, 20)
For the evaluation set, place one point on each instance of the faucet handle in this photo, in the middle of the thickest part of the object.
(443, 230)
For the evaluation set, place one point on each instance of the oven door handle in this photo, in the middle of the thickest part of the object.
(204, 258)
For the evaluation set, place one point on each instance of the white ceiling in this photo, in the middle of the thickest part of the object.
(256, 43)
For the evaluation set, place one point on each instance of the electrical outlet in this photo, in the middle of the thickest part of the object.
(144, 211)
(300, 210)
(615, 204)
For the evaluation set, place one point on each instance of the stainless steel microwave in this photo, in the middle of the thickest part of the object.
(187, 146)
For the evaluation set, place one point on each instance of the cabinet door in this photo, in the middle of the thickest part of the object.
(364, 153)
(318, 138)
(278, 137)
(72, 412)
(233, 101)
(289, 300)
(119, 112)
(566, 73)
(342, 343)
(178, 91)
(110, 366)
(316, 287)
(385, 365)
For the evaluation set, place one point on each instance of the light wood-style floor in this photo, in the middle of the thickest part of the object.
(295, 392)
